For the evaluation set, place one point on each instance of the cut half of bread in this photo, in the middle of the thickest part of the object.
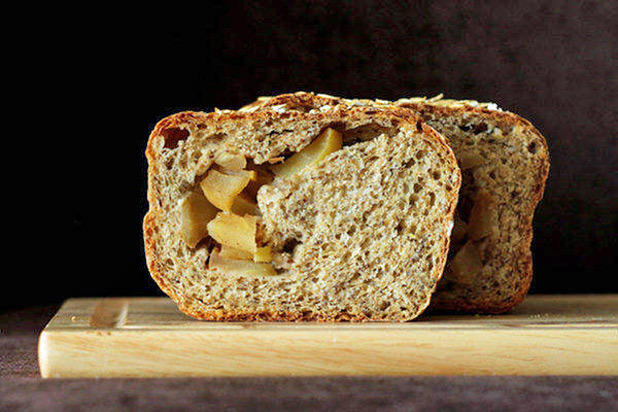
(505, 163)
(299, 212)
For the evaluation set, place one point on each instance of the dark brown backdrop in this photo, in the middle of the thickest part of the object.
(552, 62)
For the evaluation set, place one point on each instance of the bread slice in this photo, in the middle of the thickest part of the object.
(360, 234)
(504, 162)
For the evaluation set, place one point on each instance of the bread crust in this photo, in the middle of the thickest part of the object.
(196, 120)
(488, 301)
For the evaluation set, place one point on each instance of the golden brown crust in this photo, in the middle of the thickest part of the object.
(195, 120)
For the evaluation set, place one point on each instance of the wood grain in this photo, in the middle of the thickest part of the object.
(149, 337)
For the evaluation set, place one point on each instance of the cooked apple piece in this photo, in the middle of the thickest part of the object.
(195, 213)
(234, 231)
(232, 253)
(263, 254)
(460, 229)
(328, 142)
(204, 163)
(221, 188)
(470, 160)
(231, 161)
(466, 263)
(244, 205)
(239, 267)
(264, 177)
(482, 217)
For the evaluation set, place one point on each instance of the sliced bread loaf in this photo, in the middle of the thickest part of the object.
(504, 162)
(299, 212)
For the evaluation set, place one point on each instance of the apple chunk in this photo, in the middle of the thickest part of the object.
(221, 188)
(263, 254)
(460, 229)
(239, 267)
(328, 142)
(232, 253)
(467, 262)
(231, 161)
(244, 205)
(195, 213)
(234, 231)
(483, 216)
(264, 177)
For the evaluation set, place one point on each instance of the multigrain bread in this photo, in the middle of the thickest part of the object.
(362, 234)
(504, 162)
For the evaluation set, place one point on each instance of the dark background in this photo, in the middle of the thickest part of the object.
(551, 62)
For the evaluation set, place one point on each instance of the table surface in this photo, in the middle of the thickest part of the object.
(22, 388)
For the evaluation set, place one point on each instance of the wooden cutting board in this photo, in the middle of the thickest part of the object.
(149, 337)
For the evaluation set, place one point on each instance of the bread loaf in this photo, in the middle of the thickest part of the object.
(504, 162)
(299, 211)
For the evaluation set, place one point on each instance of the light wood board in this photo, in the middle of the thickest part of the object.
(149, 337)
